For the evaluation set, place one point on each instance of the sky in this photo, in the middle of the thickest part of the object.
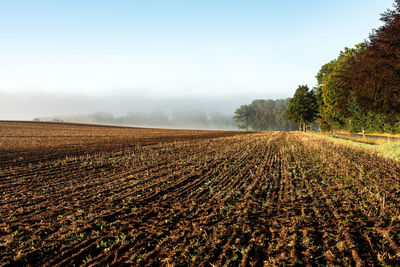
(60, 57)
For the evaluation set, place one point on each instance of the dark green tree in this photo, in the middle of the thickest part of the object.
(302, 108)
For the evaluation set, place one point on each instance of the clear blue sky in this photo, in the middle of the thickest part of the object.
(254, 48)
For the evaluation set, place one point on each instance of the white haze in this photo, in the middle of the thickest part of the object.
(28, 105)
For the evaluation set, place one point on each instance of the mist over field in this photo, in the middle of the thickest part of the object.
(136, 110)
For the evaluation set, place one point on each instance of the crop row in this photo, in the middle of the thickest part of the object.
(257, 199)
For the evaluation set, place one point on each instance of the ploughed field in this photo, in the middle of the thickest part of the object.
(81, 195)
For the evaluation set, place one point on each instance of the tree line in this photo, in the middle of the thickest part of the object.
(264, 115)
(360, 89)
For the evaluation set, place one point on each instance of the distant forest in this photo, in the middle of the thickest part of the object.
(360, 89)
(264, 115)
(260, 115)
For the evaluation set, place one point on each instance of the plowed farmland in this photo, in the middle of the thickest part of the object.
(92, 195)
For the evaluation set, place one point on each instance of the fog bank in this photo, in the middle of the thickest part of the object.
(178, 119)
(177, 112)
(26, 106)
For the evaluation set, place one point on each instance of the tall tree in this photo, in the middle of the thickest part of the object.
(374, 75)
(332, 93)
(361, 88)
(302, 108)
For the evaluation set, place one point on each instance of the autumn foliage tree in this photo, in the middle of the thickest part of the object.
(361, 88)
(374, 75)
(333, 91)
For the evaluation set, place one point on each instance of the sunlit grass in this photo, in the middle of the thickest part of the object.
(384, 148)
(377, 134)
(367, 140)
(390, 150)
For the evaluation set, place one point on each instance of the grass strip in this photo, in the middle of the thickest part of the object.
(388, 150)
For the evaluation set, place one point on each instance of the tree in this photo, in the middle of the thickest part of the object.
(244, 116)
(361, 88)
(325, 71)
(374, 75)
(302, 108)
(358, 119)
(280, 118)
(264, 115)
(333, 92)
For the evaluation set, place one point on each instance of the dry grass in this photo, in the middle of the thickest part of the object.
(377, 134)
(384, 148)
(366, 140)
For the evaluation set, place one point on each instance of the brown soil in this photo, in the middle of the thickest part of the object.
(80, 195)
